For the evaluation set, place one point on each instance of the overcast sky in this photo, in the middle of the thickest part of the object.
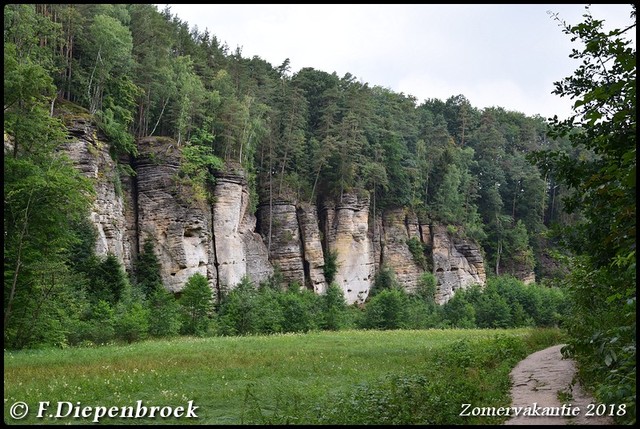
(495, 55)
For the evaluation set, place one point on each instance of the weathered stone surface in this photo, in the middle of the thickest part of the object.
(259, 268)
(239, 251)
(456, 265)
(396, 254)
(230, 204)
(286, 246)
(346, 229)
(527, 277)
(90, 155)
(520, 266)
(130, 193)
(425, 230)
(376, 232)
(312, 247)
(219, 240)
(8, 144)
(412, 224)
(172, 216)
(472, 253)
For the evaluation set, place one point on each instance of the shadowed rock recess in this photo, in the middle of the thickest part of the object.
(224, 241)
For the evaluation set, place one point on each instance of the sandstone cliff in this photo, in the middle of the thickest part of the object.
(280, 230)
(239, 251)
(90, 154)
(398, 227)
(457, 264)
(346, 231)
(223, 241)
(172, 216)
(312, 248)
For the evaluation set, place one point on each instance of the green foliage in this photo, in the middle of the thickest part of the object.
(388, 309)
(164, 314)
(459, 312)
(275, 281)
(300, 310)
(198, 165)
(602, 286)
(196, 302)
(462, 372)
(506, 302)
(121, 140)
(131, 321)
(492, 311)
(107, 279)
(44, 198)
(237, 314)
(100, 326)
(302, 379)
(417, 249)
(334, 309)
(384, 279)
(427, 286)
(330, 266)
(306, 136)
(147, 270)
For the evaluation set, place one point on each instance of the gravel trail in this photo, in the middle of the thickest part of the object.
(537, 380)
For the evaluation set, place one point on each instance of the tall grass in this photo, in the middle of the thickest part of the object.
(290, 378)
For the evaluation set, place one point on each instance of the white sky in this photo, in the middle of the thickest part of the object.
(495, 55)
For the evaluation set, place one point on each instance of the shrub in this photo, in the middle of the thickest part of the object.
(385, 278)
(417, 249)
(164, 314)
(237, 313)
(330, 266)
(147, 270)
(427, 285)
(100, 326)
(196, 302)
(300, 310)
(387, 310)
(459, 312)
(334, 309)
(132, 321)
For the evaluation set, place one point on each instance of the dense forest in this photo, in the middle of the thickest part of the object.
(554, 197)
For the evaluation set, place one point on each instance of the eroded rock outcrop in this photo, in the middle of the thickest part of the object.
(346, 231)
(457, 263)
(172, 215)
(90, 155)
(219, 239)
(398, 227)
(312, 247)
(280, 231)
(238, 250)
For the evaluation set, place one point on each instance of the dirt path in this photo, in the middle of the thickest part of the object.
(537, 380)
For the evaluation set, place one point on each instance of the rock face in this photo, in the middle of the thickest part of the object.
(527, 277)
(286, 246)
(519, 267)
(171, 215)
(457, 264)
(259, 268)
(346, 231)
(90, 155)
(220, 240)
(312, 248)
(396, 253)
(238, 250)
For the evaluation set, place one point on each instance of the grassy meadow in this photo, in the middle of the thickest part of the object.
(352, 377)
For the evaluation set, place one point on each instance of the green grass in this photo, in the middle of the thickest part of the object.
(261, 379)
